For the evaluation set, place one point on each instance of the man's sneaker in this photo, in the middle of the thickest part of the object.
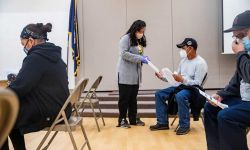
(138, 122)
(123, 124)
(159, 127)
(182, 131)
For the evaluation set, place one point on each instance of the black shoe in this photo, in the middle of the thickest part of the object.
(182, 131)
(138, 122)
(196, 117)
(123, 124)
(159, 127)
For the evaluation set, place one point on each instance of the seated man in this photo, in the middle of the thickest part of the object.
(191, 71)
(226, 129)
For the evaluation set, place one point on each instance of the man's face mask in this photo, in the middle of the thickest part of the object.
(183, 53)
(246, 43)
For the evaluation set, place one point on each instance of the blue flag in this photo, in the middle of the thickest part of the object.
(73, 36)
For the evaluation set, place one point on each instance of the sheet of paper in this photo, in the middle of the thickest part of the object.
(210, 98)
(153, 67)
(167, 74)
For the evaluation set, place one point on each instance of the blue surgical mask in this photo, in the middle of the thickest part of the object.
(246, 43)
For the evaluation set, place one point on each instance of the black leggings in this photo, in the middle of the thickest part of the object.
(17, 140)
(128, 102)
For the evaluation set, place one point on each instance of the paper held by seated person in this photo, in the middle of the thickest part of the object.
(167, 74)
(211, 99)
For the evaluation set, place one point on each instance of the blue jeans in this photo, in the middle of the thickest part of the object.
(181, 98)
(226, 129)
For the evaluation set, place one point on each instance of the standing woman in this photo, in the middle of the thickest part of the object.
(41, 85)
(129, 73)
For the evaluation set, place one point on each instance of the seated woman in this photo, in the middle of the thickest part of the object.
(41, 85)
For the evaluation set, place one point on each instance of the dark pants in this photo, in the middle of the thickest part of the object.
(226, 129)
(17, 140)
(128, 102)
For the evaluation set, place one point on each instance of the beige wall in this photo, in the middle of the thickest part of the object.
(103, 22)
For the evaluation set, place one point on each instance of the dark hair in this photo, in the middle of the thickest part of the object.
(36, 31)
(137, 26)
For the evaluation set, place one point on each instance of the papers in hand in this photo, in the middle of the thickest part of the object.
(210, 98)
(153, 67)
(167, 74)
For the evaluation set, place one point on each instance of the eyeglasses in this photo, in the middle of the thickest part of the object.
(239, 35)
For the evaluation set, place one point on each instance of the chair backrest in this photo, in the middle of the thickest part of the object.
(204, 80)
(9, 107)
(73, 98)
(96, 83)
(93, 88)
(3, 83)
(77, 94)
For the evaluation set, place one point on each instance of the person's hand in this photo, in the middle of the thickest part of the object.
(217, 97)
(178, 78)
(159, 75)
(145, 59)
(237, 47)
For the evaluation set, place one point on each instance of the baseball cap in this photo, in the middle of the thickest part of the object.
(241, 21)
(188, 42)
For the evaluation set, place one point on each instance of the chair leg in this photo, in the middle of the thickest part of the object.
(94, 114)
(72, 140)
(174, 120)
(177, 127)
(44, 138)
(69, 130)
(101, 114)
(86, 138)
(202, 118)
(50, 141)
(248, 130)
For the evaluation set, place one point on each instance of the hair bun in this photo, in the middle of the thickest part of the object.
(39, 25)
(47, 27)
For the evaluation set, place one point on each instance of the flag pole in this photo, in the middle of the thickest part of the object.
(67, 63)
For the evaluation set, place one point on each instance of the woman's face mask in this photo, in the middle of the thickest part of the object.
(25, 49)
(28, 44)
(139, 35)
